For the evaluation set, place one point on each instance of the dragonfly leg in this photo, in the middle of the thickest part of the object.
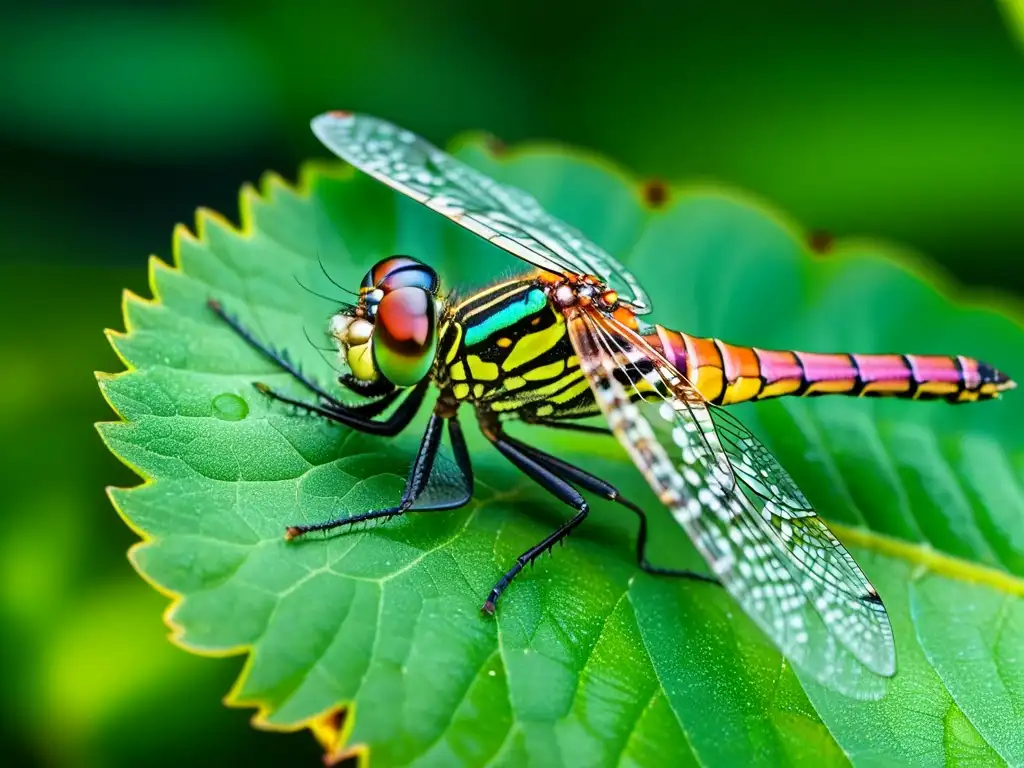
(379, 388)
(594, 484)
(376, 388)
(280, 358)
(356, 417)
(377, 407)
(351, 417)
(558, 487)
(415, 483)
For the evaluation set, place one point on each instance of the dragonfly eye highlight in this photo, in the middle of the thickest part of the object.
(396, 272)
(405, 335)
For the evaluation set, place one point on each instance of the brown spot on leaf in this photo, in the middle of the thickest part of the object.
(335, 719)
(820, 241)
(655, 193)
(495, 145)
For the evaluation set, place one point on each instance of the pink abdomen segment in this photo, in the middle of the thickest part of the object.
(726, 374)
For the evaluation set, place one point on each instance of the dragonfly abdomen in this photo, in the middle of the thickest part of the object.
(726, 373)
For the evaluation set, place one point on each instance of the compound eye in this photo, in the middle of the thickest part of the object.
(405, 335)
(400, 272)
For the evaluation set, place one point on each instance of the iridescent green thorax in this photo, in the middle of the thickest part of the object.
(506, 350)
(505, 315)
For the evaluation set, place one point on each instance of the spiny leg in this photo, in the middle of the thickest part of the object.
(379, 388)
(416, 482)
(377, 407)
(376, 388)
(555, 485)
(461, 454)
(279, 358)
(594, 484)
(389, 427)
(364, 412)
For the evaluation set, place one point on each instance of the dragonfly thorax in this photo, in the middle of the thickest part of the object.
(580, 290)
(392, 330)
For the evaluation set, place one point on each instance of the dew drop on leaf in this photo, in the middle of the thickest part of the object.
(230, 407)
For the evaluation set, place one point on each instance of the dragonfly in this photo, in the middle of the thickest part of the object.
(567, 341)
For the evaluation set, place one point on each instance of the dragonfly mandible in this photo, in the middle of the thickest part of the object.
(566, 342)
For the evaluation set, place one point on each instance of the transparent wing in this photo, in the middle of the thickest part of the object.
(504, 215)
(758, 472)
(743, 514)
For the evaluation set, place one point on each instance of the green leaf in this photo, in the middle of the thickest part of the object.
(588, 661)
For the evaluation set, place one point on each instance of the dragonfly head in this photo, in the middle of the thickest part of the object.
(392, 330)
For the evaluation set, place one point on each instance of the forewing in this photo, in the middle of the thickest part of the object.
(502, 214)
(787, 571)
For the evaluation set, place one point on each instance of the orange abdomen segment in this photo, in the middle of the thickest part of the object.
(725, 373)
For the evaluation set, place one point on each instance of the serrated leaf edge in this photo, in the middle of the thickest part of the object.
(333, 726)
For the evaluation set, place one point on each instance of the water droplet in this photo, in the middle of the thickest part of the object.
(230, 407)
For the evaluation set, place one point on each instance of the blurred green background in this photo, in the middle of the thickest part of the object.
(899, 120)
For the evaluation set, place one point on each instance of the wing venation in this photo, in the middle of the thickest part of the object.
(744, 514)
(502, 214)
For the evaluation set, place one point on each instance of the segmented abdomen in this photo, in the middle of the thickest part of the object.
(726, 374)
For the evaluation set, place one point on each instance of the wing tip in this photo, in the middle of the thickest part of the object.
(331, 117)
(871, 596)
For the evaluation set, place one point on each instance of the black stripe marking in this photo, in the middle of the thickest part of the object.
(804, 382)
(635, 373)
(915, 383)
(725, 377)
(858, 377)
(760, 375)
(961, 375)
